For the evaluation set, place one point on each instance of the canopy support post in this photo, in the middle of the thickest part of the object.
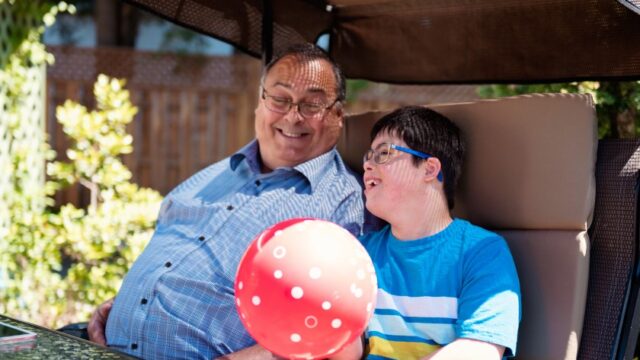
(267, 31)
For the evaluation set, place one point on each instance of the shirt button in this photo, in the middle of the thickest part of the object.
(134, 346)
(143, 301)
(229, 207)
(167, 264)
(258, 183)
(201, 238)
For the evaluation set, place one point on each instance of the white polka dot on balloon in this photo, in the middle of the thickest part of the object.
(277, 274)
(326, 305)
(295, 337)
(255, 300)
(240, 285)
(279, 252)
(358, 293)
(315, 273)
(370, 268)
(336, 323)
(311, 321)
(297, 292)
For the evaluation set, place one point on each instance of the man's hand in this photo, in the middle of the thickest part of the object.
(98, 322)
(255, 352)
(351, 351)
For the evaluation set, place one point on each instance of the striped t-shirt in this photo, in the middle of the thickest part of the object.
(458, 283)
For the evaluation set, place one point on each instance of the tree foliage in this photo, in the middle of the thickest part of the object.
(99, 243)
(617, 102)
(27, 256)
(58, 266)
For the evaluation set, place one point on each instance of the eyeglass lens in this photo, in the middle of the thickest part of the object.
(283, 105)
(381, 154)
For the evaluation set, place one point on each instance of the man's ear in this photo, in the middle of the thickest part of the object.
(339, 113)
(432, 167)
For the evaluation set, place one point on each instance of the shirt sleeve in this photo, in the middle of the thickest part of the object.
(489, 303)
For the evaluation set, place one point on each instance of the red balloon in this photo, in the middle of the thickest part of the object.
(305, 288)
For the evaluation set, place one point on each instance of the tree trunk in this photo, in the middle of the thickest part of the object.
(626, 120)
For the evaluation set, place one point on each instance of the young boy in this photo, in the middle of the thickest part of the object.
(447, 289)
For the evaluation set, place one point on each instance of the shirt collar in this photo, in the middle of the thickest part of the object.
(313, 169)
(250, 153)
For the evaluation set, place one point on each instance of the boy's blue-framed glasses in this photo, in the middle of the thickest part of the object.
(385, 151)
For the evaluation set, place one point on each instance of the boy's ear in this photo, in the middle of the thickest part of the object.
(432, 167)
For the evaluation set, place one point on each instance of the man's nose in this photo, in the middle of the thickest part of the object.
(293, 115)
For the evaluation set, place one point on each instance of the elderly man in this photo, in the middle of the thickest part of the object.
(177, 300)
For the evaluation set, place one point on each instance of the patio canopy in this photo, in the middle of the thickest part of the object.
(433, 41)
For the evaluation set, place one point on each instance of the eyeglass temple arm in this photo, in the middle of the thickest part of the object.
(418, 154)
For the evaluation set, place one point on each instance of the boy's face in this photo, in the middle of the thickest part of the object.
(394, 186)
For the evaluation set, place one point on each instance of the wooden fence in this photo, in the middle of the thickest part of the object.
(192, 111)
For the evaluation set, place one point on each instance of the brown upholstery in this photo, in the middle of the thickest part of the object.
(529, 175)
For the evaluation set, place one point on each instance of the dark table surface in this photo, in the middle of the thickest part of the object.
(51, 344)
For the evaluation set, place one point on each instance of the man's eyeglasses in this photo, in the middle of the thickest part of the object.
(385, 151)
(282, 105)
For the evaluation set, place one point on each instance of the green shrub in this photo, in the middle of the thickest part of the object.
(102, 241)
(60, 265)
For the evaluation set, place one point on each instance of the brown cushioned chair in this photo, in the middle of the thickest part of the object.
(530, 176)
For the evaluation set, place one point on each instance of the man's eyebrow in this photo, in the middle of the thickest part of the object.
(285, 85)
(317, 90)
(313, 90)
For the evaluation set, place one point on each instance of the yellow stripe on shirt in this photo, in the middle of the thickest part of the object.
(404, 350)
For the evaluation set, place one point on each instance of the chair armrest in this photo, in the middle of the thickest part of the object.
(76, 329)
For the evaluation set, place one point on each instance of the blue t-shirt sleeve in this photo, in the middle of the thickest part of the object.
(489, 302)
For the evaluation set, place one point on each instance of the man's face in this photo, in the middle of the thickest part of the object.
(290, 139)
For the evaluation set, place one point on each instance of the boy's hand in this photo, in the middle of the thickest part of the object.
(352, 351)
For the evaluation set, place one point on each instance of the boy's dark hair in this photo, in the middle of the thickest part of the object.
(309, 52)
(430, 132)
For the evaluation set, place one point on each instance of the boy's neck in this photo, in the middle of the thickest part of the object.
(415, 227)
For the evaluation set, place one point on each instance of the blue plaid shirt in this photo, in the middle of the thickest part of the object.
(177, 300)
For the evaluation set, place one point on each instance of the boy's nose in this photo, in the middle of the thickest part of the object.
(367, 164)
